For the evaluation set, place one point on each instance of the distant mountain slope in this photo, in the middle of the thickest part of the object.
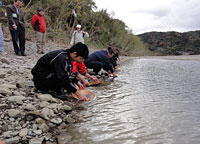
(172, 43)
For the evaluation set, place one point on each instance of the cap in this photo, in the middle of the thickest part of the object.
(40, 9)
(78, 26)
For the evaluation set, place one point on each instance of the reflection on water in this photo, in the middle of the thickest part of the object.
(151, 102)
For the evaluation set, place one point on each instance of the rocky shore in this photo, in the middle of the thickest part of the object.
(27, 116)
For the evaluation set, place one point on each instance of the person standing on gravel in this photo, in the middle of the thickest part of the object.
(78, 36)
(39, 26)
(1, 37)
(17, 26)
(53, 71)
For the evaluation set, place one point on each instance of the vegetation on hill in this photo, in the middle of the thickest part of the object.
(172, 43)
(63, 15)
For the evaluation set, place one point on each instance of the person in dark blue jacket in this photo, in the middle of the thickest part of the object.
(99, 60)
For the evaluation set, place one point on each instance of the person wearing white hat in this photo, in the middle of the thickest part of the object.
(78, 36)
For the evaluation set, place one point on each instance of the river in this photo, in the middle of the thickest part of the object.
(153, 101)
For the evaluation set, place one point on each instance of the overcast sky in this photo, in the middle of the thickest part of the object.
(155, 15)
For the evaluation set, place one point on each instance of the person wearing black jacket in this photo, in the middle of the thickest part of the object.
(16, 22)
(53, 71)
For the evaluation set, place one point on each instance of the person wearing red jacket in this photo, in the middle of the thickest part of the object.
(79, 69)
(39, 26)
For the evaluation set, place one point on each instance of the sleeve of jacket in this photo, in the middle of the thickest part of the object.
(59, 65)
(86, 35)
(74, 69)
(106, 61)
(72, 39)
(108, 64)
(23, 17)
(81, 68)
(9, 16)
(34, 19)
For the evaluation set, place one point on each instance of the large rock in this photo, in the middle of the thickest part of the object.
(23, 132)
(9, 86)
(5, 91)
(4, 60)
(30, 107)
(56, 121)
(14, 113)
(36, 140)
(13, 140)
(45, 97)
(48, 112)
(66, 108)
(17, 99)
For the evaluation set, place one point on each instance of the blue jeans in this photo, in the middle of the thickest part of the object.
(1, 40)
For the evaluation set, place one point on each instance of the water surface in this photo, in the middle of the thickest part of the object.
(153, 101)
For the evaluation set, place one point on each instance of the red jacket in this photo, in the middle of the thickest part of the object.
(78, 68)
(38, 23)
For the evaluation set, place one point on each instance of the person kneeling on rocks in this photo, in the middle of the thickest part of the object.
(79, 69)
(53, 71)
(99, 60)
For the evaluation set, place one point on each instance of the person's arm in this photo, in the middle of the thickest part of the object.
(72, 39)
(59, 66)
(86, 83)
(80, 96)
(91, 77)
(34, 19)
(86, 35)
(10, 17)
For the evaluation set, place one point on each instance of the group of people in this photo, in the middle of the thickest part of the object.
(16, 22)
(59, 70)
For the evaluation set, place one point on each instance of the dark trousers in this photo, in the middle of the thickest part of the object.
(95, 65)
(18, 36)
(49, 83)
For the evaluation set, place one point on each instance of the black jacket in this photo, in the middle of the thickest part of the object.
(56, 63)
(14, 17)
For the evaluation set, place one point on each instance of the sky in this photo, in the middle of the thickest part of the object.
(154, 15)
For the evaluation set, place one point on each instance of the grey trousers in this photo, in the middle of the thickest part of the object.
(40, 41)
(1, 40)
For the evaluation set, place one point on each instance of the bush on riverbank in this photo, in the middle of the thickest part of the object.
(63, 15)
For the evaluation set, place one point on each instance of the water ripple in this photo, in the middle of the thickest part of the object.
(152, 101)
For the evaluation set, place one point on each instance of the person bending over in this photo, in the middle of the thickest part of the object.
(79, 69)
(53, 71)
(99, 60)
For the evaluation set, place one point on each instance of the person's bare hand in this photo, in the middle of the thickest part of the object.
(80, 86)
(114, 75)
(86, 83)
(15, 27)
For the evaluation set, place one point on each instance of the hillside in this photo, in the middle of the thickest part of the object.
(62, 16)
(172, 43)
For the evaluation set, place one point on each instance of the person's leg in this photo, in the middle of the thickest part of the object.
(1, 41)
(95, 65)
(22, 40)
(49, 83)
(39, 42)
(43, 42)
(14, 35)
